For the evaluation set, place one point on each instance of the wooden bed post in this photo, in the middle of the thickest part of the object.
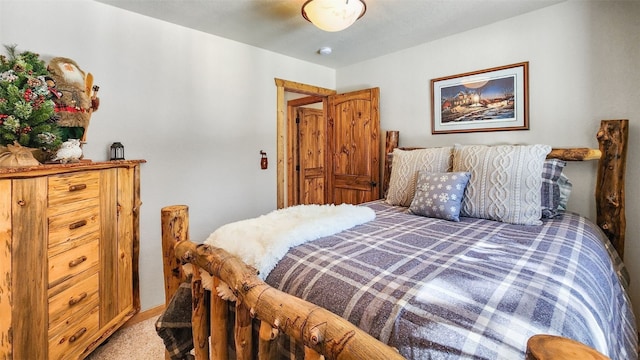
(199, 316)
(175, 228)
(390, 144)
(218, 324)
(610, 203)
(243, 332)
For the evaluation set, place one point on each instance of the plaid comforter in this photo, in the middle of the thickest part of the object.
(437, 289)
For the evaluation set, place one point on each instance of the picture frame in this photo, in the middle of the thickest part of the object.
(495, 99)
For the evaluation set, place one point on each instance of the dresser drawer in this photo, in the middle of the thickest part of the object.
(65, 265)
(67, 191)
(72, 225)
(70, 340)
(77, 299)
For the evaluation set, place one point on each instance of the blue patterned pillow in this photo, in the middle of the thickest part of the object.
(550, 191)
(565, 190)
(439, 195)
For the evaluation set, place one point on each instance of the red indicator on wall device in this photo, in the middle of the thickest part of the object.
(264, 162)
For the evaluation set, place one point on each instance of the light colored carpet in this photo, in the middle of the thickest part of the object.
(135, 342)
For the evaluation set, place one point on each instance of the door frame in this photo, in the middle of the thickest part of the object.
(283, 86)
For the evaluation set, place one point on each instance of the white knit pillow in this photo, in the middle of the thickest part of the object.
(405, 167)
(505, 181)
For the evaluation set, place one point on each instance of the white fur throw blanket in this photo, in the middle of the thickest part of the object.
(263, 241)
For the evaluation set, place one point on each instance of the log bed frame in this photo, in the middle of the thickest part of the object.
(321, 332)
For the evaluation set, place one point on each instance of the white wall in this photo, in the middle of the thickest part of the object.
(583, 61)
(197, 107)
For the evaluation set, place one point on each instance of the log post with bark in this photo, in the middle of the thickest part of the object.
(610, 196)
(391, 142)
(220, 312)
(175, 228)
(199, 316)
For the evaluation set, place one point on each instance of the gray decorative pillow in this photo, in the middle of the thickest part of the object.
(439, 195)
(505, 181)
(550, 191)
(404, 172)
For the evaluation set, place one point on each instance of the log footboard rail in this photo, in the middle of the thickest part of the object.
(321, 332)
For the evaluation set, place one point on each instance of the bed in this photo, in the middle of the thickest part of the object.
(422, 282)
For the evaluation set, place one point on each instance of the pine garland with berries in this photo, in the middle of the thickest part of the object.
(27, 113)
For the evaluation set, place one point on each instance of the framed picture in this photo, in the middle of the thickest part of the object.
(494, 99)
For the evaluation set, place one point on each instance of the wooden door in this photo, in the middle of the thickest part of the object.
(311, 155)
(353, 128)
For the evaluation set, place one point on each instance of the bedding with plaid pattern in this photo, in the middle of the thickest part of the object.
(437, 289)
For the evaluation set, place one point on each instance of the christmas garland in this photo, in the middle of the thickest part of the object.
(27, 113)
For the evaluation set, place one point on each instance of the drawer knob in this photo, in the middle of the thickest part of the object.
(75, 300)
(77, 224)
(77, 335)
(77, 187)
(77, 261)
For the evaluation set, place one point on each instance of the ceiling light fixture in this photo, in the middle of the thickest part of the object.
(333, 15)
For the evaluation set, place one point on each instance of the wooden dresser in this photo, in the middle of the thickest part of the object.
(69, 247)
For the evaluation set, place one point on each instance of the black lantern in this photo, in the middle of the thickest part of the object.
(117, 151)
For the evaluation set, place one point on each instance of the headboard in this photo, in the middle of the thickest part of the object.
(611, 155)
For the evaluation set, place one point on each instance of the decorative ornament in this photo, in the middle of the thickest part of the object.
(76, 97)
(27, 114)
(69, 152)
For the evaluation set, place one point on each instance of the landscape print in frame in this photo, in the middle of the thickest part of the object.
(494, 99)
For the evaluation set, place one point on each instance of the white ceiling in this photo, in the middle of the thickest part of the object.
(278, 26)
